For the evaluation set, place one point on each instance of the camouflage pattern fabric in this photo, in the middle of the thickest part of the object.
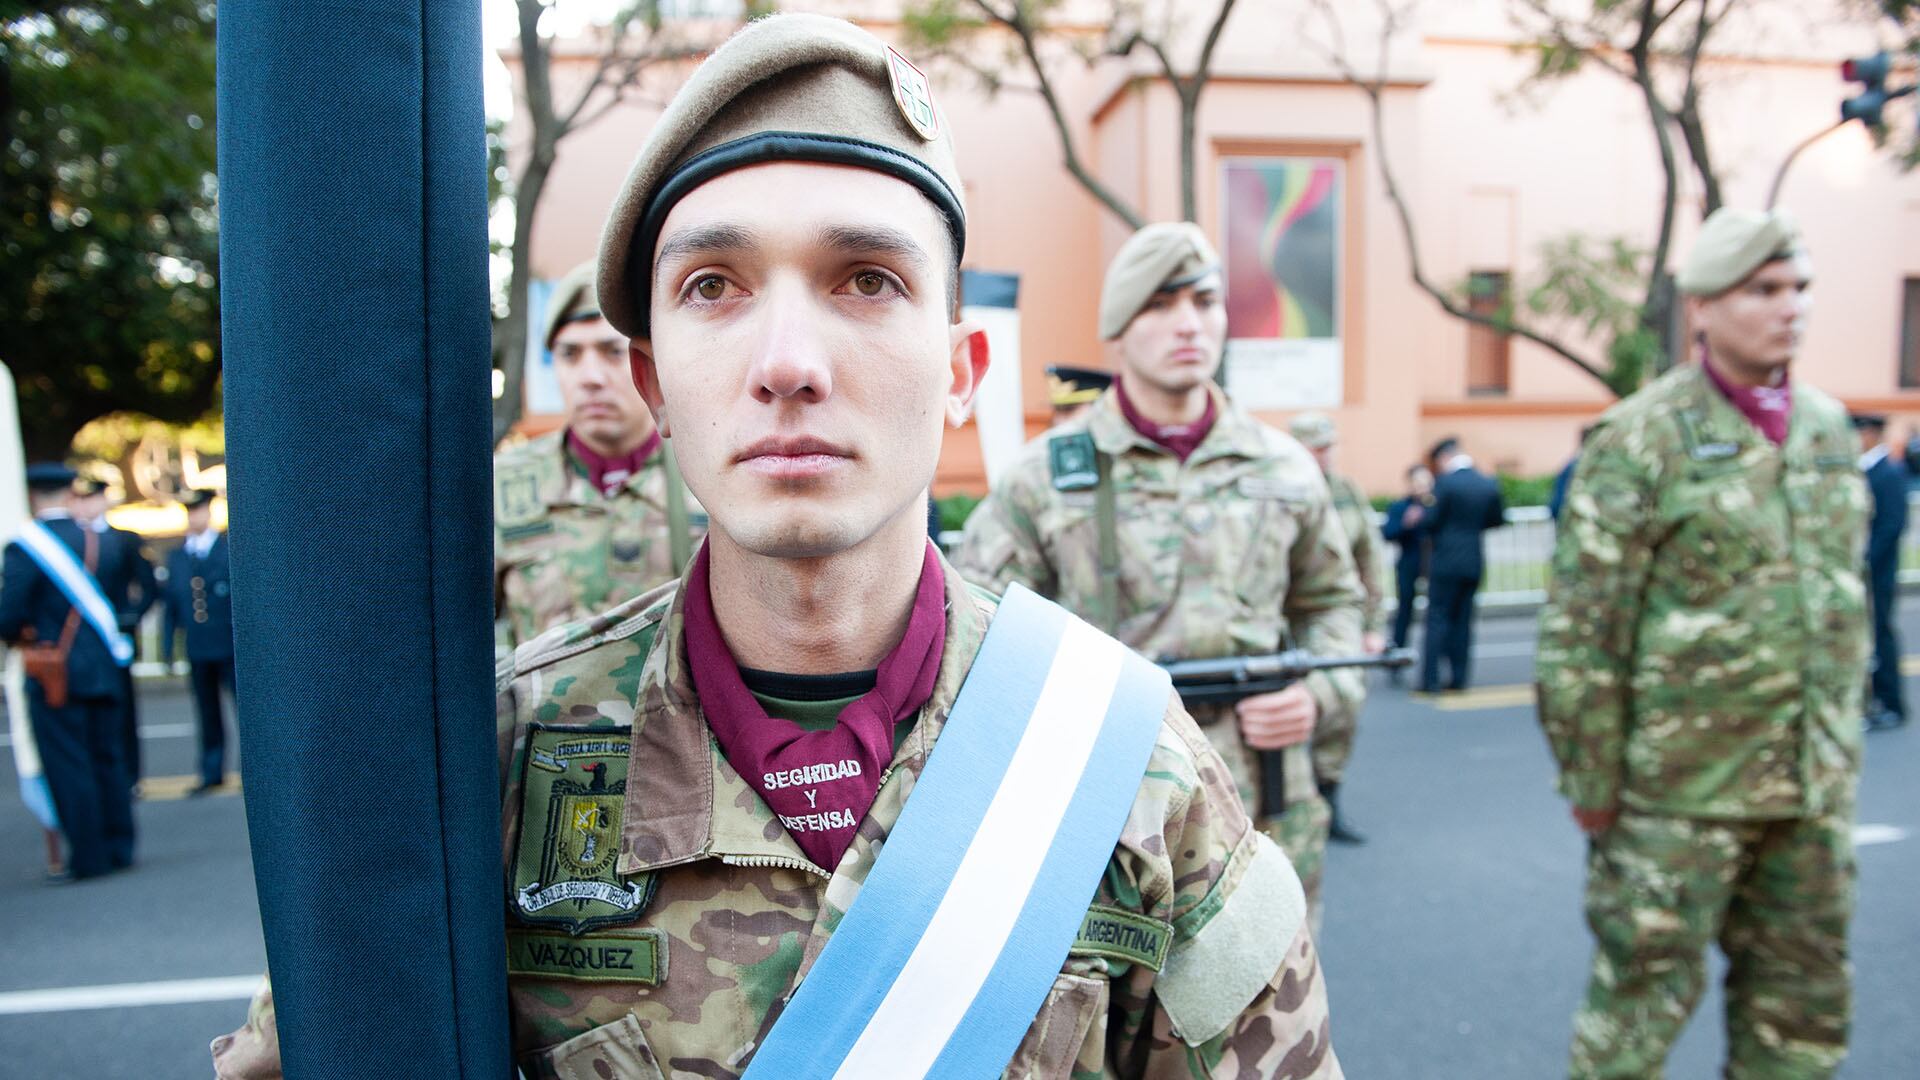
(562, 549)
(1704, 644)
(727, 915)
(1333, 736)
(1234, 552)
(1777, 896)
(1302, 833)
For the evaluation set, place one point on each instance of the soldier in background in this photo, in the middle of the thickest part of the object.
(1073, 390)
(128, 579)
(199, 596)
(1887, 483)
(1218, 536)
(594, 513)
(1701, 660)
(1406, 527)
(1333, 737)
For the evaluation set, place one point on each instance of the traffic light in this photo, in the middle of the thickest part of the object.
(1871, 73)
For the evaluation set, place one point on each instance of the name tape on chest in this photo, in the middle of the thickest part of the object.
(629, 956)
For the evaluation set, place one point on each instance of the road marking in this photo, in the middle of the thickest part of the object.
(1484, 697)
(1866, 835)
(169, 788)
(149, 731)
(126, 995)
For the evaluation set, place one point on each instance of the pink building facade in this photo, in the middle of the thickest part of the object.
(1324, 310)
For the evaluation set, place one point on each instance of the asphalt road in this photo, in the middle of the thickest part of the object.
(1454, 945)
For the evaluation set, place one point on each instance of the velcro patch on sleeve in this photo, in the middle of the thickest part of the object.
(632, 956)
(1123, 935)
(1212, 976)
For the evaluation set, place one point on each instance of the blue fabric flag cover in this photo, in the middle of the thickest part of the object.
(353, 261)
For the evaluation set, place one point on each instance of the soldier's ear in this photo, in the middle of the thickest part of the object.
(968, 361)
(646, 379)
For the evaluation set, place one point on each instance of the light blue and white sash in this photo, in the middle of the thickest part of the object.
(81, 590)
(947, 954)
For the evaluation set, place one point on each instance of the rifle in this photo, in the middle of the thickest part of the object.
(1231, 678)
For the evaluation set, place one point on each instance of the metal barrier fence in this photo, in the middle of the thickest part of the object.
(1519, 552)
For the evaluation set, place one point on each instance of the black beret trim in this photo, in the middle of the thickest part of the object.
(1176, 284)
(768, 146)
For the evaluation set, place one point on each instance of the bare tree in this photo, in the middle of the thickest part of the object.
(1655, 46)
(635, 40)
(950, 29)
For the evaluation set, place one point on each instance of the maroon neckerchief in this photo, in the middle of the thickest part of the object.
(819, 783)
(608, 473)
(1179, 439)
(1768, 407)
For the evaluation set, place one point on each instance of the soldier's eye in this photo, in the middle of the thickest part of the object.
(710, 287)
(870, 282)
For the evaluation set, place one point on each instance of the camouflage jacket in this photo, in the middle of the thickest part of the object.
(562, 550)
(1704, 644)
(709, 915)
(1234, 552)
(1356, 517)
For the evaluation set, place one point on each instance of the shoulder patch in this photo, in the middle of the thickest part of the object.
(1074, 462)
(518, 510)
(1231, 944)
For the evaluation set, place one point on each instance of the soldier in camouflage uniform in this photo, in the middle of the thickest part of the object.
(1230, 548)
(1700, 668)
(1333, 736)
(796, 343)
(585, 517)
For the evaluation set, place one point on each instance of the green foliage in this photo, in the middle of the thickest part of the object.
(1525, 490)
(955, 509)
(108, 221)
(1593, 287)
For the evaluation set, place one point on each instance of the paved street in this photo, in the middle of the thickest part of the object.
(1454, 942)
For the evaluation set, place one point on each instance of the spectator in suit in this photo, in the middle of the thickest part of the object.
(1407, 526)
(50, 595)
(1887, 481)
(1559, 497)
(1466, 503)
(199, 598)
(127, 578)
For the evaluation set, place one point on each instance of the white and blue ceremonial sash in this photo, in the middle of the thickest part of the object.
(81, 590)
(947, 954)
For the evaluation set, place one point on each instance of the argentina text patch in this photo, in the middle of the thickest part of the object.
(1123, 935)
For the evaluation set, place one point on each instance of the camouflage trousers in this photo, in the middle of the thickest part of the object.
(1301, 832)
(1333, 745)
(1775, 895)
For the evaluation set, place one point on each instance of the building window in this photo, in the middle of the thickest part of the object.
(1489, 352)
(1910, 335)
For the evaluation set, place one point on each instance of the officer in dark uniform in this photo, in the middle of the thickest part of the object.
(1071, 390)
(199, 595)
(127, 577)
(82, 748)
(1887, 482)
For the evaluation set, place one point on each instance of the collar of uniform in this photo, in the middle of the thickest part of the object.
(1722, 421)
(561, 484)
(685, 801)
(1235, 433)
(1874, 456)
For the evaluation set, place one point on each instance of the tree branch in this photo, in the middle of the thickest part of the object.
(1375, 91)
(1024, 31)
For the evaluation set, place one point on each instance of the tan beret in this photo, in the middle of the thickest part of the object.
(1732, 244)
(1164, 255)
(1313, 429)
(790, 87)
(573, 298)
